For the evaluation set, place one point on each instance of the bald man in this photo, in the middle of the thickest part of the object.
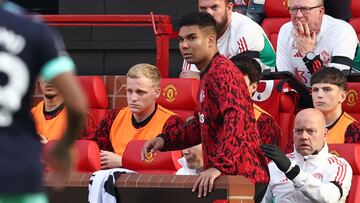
(310, 173)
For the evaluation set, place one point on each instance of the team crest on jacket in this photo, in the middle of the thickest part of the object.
(201, 96)
(318, 176)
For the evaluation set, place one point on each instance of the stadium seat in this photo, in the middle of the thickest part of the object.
(355, 8)
(179, 95)
(95, 91)
(355, 16)
(87, 155)
(351, 105)
(280, 101)
(350, 152)
(158, 163)
(275, 16)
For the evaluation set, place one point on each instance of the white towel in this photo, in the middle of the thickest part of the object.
(101, 185)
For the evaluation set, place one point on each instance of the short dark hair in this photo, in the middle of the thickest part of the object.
(201, 19)
(329, 75)
(248, 66)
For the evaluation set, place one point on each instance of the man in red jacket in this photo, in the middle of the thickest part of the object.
(225, 122)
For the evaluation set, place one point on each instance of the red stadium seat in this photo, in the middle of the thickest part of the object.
(355, 23)
(95, 91)
(280, 101)
(179, 95)
(355, 8)
(275, 16)
(272, 27)
(87, 155)
(350, 152)
(275, 9)
(351, 105)
(159, 163)
(355, 16)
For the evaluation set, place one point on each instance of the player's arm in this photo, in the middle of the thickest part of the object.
(283, 56)
(56, 66)
(75, 102)
(189, 71)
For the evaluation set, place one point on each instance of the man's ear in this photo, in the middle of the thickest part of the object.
(229, 7)
(326, 132)
(212, 39)
(343, 96)
(252, 87)
(157, 91)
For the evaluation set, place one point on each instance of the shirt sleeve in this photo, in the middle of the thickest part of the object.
(352, 134)
(283, 59)
(238, 144)
(270, 132)
(178, 134)
(101, 134)
(188, 68)
(333, 189)
(344, 46)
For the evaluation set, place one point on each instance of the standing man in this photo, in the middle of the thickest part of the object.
(28, 48)
(224, 122)
(310, 41)
(236, 33)
(310, 173)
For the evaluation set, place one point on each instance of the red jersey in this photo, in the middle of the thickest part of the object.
(224, 123)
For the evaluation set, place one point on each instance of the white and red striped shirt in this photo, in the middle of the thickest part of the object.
(242, 35)
(314, 183)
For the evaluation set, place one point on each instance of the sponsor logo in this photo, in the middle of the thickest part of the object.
(201, 117)
(201, 96)
(170, 93)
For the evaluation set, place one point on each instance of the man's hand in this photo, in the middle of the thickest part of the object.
(151, 146)
(110, 160)
(305, 39)
(205, 181)
(274, 153)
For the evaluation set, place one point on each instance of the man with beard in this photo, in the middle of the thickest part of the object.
(310, 173)
(236, 33)
(50, 115)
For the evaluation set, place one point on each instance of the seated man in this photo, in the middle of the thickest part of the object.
(50, 115)
(192, 161)
(270, 132)
(310, 173)
(328, 93)
(329, 88)
(310, 41)
(142, 119)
